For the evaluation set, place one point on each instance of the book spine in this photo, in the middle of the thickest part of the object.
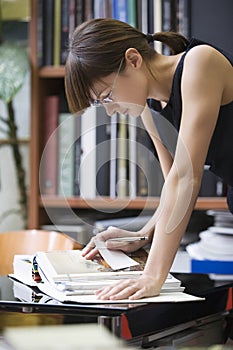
(157, 7)
(132, 157)
(150, 15)
(72, 16)
(49, 158)
(64, 30)
(119, 10)
(57, 33)
(79, 13)
(88, 10)
(88, 154)
(102, 152)
(144, 16)
(66, 141)
(131, 9)
(77, 156)
(48, 34)
(113, 155)
(40, 29)
(122, 182)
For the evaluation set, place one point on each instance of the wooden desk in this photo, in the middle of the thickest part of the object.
(140, 324)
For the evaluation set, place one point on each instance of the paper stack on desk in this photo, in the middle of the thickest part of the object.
(69, 277)
(213, 254)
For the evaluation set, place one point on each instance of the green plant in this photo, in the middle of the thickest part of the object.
(13, 70)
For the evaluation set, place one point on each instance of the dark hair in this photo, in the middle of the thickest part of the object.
(96, 50)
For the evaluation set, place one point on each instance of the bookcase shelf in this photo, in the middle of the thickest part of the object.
(52, 72)
(150, 203)
(46, 80)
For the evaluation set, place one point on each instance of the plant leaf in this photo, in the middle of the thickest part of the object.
(13, 69)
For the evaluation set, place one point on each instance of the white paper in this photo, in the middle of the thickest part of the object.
(116, 259)
(171, 297)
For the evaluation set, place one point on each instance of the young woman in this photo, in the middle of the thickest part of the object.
(114, 64)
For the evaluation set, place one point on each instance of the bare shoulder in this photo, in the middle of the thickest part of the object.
(207, 69)
(206, 56)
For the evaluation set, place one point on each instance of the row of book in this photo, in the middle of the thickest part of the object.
(57, 20)
(95, 155)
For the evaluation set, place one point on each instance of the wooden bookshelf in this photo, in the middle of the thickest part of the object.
(47, 80)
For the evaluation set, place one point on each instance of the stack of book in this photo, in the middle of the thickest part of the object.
(213, 253)
(68, 277)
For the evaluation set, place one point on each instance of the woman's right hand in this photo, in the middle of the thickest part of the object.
(114, 232)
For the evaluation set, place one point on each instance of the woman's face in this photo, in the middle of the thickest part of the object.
(124, 92)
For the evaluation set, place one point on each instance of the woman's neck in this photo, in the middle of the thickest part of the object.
(160, 76)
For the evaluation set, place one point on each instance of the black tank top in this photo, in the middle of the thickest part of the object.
(220, 153)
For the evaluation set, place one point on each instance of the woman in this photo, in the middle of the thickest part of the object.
(114, 64)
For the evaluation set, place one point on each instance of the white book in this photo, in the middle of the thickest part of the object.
(22, 269)
(113, 155)
(132, 157)
(95, 153)
(158, 23)
(88, 154)
(66, 142)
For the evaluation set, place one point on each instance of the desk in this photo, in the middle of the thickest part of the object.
(140, 324)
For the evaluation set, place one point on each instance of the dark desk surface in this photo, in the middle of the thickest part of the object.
(140, 318)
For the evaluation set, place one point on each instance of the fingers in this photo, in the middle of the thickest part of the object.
(122, 290)
(130, 289)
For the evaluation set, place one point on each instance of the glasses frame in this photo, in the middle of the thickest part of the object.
(108, 99)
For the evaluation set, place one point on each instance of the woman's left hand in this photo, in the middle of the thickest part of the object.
(144, 286)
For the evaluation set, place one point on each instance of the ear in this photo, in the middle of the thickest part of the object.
(133, 57)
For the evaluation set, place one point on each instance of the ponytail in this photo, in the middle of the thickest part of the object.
(175, 41)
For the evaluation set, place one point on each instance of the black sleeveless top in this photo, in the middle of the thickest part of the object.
(220, 153)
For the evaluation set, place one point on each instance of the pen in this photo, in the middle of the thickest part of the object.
(128, 239)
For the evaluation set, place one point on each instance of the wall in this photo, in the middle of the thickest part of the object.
(212, 21)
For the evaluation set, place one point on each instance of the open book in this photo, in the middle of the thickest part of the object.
(71, 273)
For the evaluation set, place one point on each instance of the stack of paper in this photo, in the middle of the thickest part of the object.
(69, 277)
(213, 253)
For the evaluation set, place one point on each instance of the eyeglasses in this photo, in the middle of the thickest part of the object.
(108, 98)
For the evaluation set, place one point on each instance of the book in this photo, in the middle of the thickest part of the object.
(95, 153)
(22, 268)
(113, 155)
(48, 33)
(48, 165)
(66, 142)
(69, 274)
(157, 21)
(66, 276)
(57, 33)
(122, 156)
(77, 155)
(102, 152)
(131, 10)
(64, 35)
(119, 10)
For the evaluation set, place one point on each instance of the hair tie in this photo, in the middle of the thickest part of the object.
(149, 38)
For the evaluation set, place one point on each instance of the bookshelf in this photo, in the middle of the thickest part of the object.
(50, 80)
